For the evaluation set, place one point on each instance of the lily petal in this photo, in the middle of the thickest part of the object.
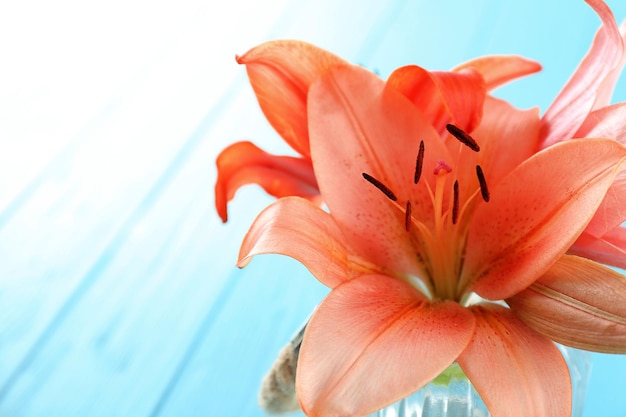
(516, 371)
(507, 137)
(612, 211)
(590, 82)
(578, 303)
(357, 125)
(608, 122)
(605, 91)
(609, 249)
(444, 97)
(280, 73)
(244, 163)
(498, 70)
(373, 341)
(294, 227)
(513, 237)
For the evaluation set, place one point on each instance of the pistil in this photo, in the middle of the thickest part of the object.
(443, 249)
(440, 172)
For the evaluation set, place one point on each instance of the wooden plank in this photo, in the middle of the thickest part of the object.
(53, 357)
(119, 326)
(69, 224)
(270, 300)
(82, 215)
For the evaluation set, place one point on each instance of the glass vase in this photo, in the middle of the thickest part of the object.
(452, 395)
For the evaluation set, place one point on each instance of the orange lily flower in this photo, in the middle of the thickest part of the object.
(439, 199)
(282, 71)
(418, 227)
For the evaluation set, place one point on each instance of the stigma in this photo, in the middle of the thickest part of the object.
(442, 167)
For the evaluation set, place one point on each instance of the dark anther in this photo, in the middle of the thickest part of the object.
(455, 203)
(463, 137)
(407, 217)
(382, 187)
(483, 183)
(418, 163)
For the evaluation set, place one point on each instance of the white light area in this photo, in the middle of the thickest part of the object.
(72, 69)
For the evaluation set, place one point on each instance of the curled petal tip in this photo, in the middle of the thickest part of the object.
(591, 85)
(243, 261)
(498, 70)
(239, 59)
(444, 97)
(244, 163)
(281, 73)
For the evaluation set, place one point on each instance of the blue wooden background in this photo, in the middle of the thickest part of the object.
(118, 291)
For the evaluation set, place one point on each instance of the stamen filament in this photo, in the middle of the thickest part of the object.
(428, 242)
(467, 203)
(440, 245)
